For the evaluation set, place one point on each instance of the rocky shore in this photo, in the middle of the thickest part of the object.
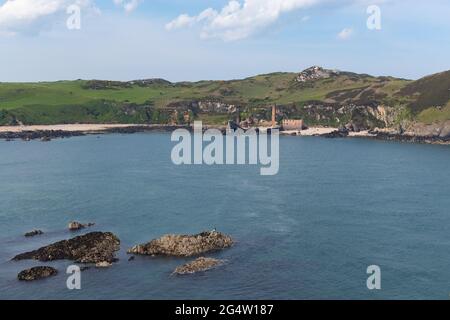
(419, 133)
(49, 132)
(43, 135)
(386, 136)
(389, 135)
(93, 247)
(184, 245)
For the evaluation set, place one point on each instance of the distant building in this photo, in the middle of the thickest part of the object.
(292, 125)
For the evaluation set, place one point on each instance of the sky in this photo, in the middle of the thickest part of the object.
(191, 40)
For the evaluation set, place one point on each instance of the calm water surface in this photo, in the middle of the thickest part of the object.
(310, 232)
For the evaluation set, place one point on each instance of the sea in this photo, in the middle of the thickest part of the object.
(336, 208)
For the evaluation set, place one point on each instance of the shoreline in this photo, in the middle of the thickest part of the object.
(49, 132)
(86, 128)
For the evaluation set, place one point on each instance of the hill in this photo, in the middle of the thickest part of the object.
(318, 95)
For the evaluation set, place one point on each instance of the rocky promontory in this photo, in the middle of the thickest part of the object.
(199, 265)
(184, 245)
(36, 273)
(93, 247)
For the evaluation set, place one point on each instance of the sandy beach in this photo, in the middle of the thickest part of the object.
(318, 131)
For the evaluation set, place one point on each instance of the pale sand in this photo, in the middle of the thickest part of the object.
(361, 134)
(317, 131)
(66, 127)
(312, 131)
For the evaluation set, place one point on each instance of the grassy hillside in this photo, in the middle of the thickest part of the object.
(157, 100)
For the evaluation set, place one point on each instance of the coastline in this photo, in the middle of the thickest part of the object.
(64, 127)
(49, 132)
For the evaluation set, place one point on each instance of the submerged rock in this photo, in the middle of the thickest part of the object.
(198, 265)
(74, 225)
(184, 245)
(103, 264)
(89, 248)
(36, 273)
(33, 233)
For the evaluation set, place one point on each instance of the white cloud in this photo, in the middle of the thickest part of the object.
(239, 20)
(185, 20)
(18, 15)
(345, 34)
(181, 21)
(128, 5)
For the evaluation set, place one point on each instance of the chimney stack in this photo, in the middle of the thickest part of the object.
(274, 115)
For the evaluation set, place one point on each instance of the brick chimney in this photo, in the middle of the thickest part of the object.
(274, 115)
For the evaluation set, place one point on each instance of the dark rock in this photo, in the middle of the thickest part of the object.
(350, 127)
(340, 133)
(198, 265)
(36, 273)
(33, 233)
(131, 258)
(44, 135)
(184, 245)
(89, 248)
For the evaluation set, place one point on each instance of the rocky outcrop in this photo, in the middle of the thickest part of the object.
(36, 273)
(184, 245)
(33, 233)
(436, 130)
(74, 225)
(316, 73)
(199, 265)
(43, 135)
(89, 248)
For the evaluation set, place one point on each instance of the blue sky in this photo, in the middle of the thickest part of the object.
(133, 39)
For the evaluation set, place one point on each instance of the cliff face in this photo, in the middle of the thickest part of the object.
(435, 130)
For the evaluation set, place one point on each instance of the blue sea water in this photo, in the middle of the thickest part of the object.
(310, 232)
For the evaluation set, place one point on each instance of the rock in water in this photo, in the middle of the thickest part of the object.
(33, 233)
(184, 245)
(198, 265)
(89, 248)
(103, 264)
(74, 225)
(36, 273)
